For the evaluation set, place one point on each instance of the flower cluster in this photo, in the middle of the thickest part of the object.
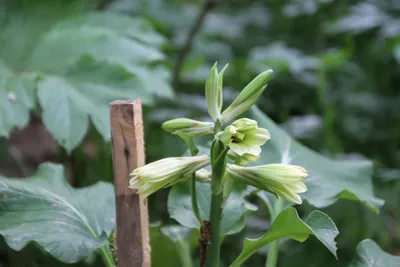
(240, 141)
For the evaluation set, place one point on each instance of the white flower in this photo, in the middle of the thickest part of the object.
(166, 172)
(281, 179)
(244, 137)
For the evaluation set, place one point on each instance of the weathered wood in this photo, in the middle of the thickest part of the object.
(128, 153)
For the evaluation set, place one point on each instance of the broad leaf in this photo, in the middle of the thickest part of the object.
(328, 180)
(76, 64)
(369, 254)
(288, 224)
(180, 207)
(68, 223)
(163, 251)
(180, 235)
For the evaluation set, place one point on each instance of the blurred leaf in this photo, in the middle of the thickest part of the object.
(328, 180)
(180, 207)
(163, 251)
(279, 57)
(81, 63)
(288, 224)
(68, 223)
(180, 235)
(362, 17)
(369, 254)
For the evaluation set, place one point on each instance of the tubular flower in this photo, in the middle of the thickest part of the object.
(189, 127)
(244, 137)
(281, 179)
(166, 172)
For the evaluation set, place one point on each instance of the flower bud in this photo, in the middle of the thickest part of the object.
(166, 172)
(189, 127)
(214, 91)
(247, 97)
(244, 137)
(280, 179)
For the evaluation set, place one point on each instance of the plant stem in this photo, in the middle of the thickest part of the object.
(108, 259)
(184, 253)
(194, 199)
(273, 249)
(213, 250)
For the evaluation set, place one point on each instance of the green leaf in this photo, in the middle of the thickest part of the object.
(328, 180)
(369, 254)
(75, 64)
(82, 92)
(288, 224)
(16, 99)
(181, 237)
(68, 223)
(163, 251)
(180, 207)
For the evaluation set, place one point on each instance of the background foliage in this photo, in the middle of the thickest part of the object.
(336, 70)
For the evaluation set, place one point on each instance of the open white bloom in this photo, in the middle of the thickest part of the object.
(281, 179)
(244, 137)
(166, 172)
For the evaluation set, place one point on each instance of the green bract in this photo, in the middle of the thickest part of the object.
(244, 138)
(281, 179)
(189, 127)
(166, 172)
(247, 97)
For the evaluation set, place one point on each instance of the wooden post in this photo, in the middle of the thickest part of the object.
(128, 153)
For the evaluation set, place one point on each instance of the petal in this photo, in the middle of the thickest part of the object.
(245, 148)
(244, 124)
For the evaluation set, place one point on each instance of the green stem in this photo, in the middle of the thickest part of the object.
(108, 259)
(273, 249)
(184, 254)
(213, 250)
(194, 199)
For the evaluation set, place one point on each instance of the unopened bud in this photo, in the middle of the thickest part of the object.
(189, 127)
(247, 97)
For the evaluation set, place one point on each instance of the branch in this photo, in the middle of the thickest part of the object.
(184, 51)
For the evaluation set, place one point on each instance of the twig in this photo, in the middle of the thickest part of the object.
(176, 74)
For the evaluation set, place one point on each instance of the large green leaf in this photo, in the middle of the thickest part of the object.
(68, 223)
(329, 180)
(76, 64)
(180, 207)
(369, 254)
(288, 224)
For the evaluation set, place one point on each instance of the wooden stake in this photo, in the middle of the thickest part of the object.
(128, 153)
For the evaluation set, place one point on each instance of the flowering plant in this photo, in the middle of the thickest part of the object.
(240, 140)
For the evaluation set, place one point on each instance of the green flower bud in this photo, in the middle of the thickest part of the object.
(281, 179)
(189, 127)
(244, 137)
(214, 91)
(247, 97)
(166, 172)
